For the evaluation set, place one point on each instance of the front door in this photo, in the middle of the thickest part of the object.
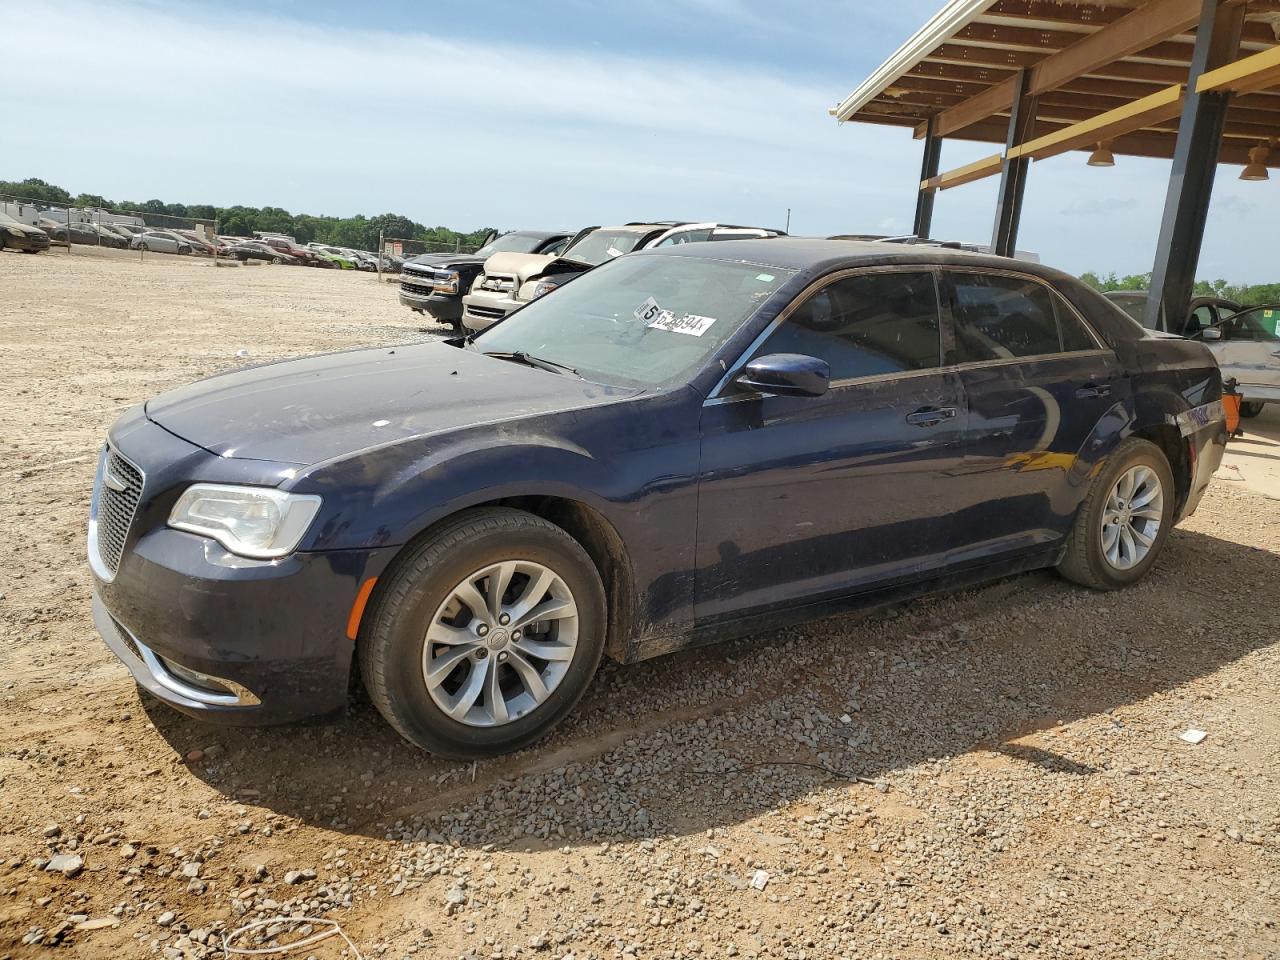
(1039, 384)
(812, 498)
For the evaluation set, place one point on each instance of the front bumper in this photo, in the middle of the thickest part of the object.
(27, 242)
(482, 308)
(271, 634)
(211, 633)
(442, 306)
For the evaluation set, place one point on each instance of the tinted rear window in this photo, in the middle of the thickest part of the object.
(999, 317)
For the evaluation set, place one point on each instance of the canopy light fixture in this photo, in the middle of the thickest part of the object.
(1256, 169)
(1102, 156)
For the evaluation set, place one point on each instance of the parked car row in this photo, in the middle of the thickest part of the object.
(474, 291)
(268, 248)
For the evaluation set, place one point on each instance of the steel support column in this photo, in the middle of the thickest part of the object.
(1195, 162)
(1013, 174)
(928, 170)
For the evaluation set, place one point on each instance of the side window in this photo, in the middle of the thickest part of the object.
(1075, 335)
(866, 325)
(688, 236)
(557, 248)
(1201, 317)
(1000, 318)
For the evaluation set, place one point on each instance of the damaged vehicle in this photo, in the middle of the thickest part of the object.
(1242, 339)
(690, 443)
(434, 283)
(509, 281)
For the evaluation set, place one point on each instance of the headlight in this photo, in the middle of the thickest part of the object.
(14, 231)
(544, 287)
(447, 284)
(257, 522)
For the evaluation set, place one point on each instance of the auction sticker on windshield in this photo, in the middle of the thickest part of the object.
(652, 315)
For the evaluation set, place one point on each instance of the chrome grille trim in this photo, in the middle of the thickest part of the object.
(117, 491)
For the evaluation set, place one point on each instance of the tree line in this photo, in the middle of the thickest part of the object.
(358, 232)
(1245, 294)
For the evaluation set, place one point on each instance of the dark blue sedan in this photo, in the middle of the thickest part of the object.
(686, 444)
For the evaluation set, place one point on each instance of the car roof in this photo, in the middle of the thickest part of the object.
(820, 256)
(639, 227)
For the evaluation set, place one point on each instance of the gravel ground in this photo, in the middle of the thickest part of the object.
(993, 773)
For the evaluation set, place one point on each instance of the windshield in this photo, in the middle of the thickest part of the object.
(641, 321)
(597, 247)
(511, 243)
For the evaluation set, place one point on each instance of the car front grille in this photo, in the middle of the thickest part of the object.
(499, 284)
(116, 507)
(489, 313)
(416, 288)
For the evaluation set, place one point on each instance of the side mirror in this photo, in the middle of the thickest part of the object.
(1211, 333)
(786, 375)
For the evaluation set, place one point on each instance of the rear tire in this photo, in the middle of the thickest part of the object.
(505, 710)
(1251, 408)
(1107, 555)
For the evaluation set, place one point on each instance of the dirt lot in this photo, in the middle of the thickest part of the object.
(997, 773)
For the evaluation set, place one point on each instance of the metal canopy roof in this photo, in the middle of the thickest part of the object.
(1126, 62)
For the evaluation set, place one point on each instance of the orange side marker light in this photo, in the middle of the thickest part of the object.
(357, 608)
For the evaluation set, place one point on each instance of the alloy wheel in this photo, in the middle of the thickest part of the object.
(500, 643)
(1132, 516)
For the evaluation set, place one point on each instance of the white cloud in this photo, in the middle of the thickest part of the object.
(143, 99)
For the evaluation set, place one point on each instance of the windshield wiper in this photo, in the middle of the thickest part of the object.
(530, 360)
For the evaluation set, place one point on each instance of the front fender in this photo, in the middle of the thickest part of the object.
(387, 497)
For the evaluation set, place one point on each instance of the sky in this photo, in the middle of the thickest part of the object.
(554, 114)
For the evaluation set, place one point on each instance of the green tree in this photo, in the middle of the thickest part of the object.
(34, 189)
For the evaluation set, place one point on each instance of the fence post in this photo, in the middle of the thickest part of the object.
(379, 254)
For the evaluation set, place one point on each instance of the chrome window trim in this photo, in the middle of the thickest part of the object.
(716, 395)
(1034, 358)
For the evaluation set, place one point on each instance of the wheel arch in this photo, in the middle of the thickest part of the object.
(590, 528)
(1177, 450)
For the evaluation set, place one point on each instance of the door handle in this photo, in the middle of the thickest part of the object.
(1094, 390)
(931, 416)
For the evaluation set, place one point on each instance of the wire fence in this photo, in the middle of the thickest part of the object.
(404, 249)
(89, 229)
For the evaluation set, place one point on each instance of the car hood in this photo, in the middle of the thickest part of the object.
(25, 228)
(522, 266)
(320, 408)
(437, 260)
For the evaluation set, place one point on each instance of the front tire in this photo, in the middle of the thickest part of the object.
(1124, 521)
(1251, 408)
(485, 636)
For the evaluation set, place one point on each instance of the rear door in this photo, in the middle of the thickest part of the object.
(1038, 381)
(805, 498)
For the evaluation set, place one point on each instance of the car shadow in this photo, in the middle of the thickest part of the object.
(696, 740)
